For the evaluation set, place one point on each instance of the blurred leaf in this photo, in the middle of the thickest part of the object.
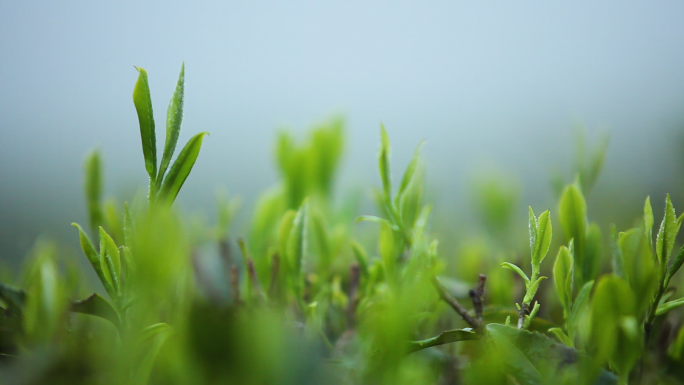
(572, 213)
(361, 257)
(679, 260)
(45, 297)
(143, 105)
(296, 244)
(155, 335)
(372, 218)
(580, 304)
(562, 337)
(618, 260)
(410, 172)
(181, 168)
(93, 188)
(532, 289)
(612, 306)
(663, 308)
(174, 117)
(320, 231)
(14, 298)
(640, 269)
(592, 254)
(97, 306)
(384, 163)
(648, 223)
(532, 358)
(562, 278)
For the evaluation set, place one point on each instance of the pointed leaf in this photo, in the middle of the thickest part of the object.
(296, 244)
(562, 277)
(667, 306)
(648, 223)
(518, 270)
(543, 239)
(94, 259)
(174, 117)
(14, 298)
(143, 105)
(667, 234)
(181, 168)
(383, 163)
(372, 218)
(679, 260)
(93, 188)
(446, 337)
(532, 289)
(572, 213)
(532, 230)
(98, 306)
(410, 170)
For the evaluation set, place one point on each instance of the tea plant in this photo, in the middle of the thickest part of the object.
(315, 296)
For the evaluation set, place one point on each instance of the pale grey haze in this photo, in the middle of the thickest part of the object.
(494, 84)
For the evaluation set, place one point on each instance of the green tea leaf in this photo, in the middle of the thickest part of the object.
(612, 306)
(174, 117)
(667, 234)
(284, 229)
(93, 188)
(679, 260)
(562, 337)
(410, 171)
(320, 231)
(663, 308)
(112, 250)
(533, 358)
(181, 168)
(296, 244)
(592, 252)
(94, 259)
(562, 278)
(572, 213)
(532, 230)
(542, 240)
(518, 270)
(618, 260)
(446, 337)
(372, 218)
(580, 304)
(384, 163)
(97, 306)
(143, 105)
(532, 289)
(648, 223)
(128, 226)
(13, 297)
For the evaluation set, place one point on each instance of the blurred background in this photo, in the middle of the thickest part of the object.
(496, 88)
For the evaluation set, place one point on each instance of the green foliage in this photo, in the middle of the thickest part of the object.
(320, 298)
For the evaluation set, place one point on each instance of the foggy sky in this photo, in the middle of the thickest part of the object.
(498, 84)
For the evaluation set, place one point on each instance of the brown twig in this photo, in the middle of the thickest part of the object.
(354, 275)
(475, 323)
(275, 266)
(476, 296)
(253, 279)
(235, 281)
(524, 310)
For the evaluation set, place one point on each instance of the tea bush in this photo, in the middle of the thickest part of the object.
(299, 300)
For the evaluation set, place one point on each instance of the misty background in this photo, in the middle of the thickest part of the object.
(493, 87)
